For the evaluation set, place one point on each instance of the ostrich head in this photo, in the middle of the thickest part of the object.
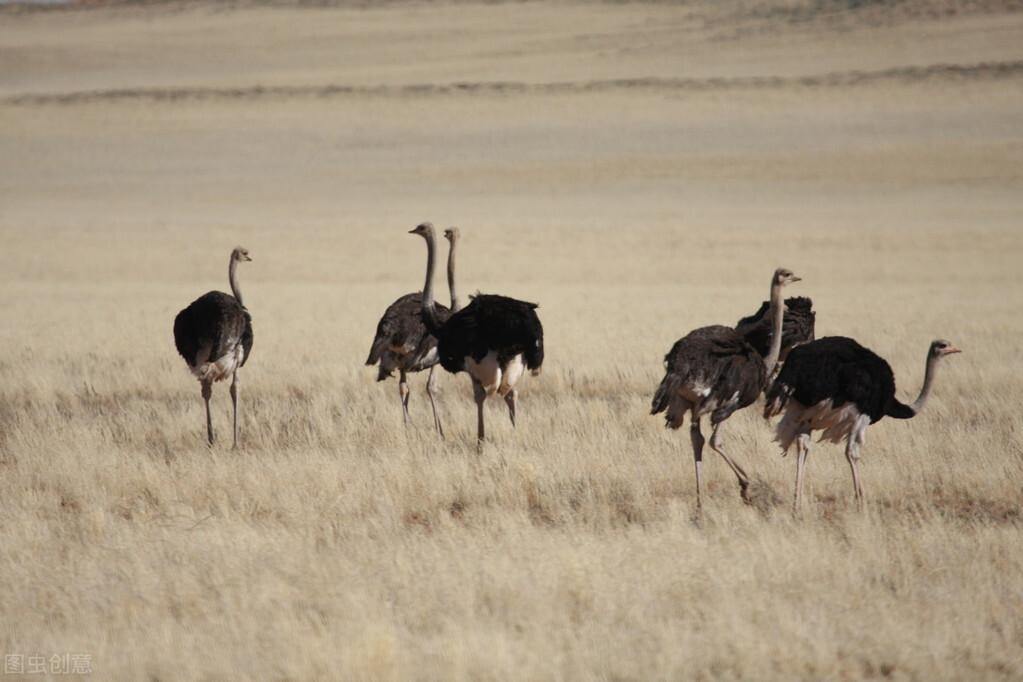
(940, 348)
(452, 234)
(783, 276)
(424, 230)
(240, 254)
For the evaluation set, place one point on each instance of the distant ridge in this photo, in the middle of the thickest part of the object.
(907, 74)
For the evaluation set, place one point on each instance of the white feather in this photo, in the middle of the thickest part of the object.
(221, 368)
(836, 423)
(512, 373)
(487, 371)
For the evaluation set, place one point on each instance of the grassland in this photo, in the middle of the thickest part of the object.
(638, 169)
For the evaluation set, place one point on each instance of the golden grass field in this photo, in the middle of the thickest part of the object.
(638, 169)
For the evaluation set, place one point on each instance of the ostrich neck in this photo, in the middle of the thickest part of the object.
(232, 274)
(456, 304)
(429, 308)
(777, 321)
(925, 392)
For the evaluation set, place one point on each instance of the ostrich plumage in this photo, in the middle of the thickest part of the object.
(402, 342)
(491, 325)
(715, 371)
(797, 326)
(214, 336)
(836, 386)
(210, 331)
(494, 339)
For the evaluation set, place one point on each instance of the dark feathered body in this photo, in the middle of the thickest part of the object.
(214, 335)
(797, 327)
(839, 388)
(712, 369)
(402, 341)
(494, 324)
(839, 370)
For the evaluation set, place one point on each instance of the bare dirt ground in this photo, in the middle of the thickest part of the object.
(639, 169)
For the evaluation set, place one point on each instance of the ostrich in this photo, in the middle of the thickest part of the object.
(714, 370)
(494, 338)
(797, 328)
(214, 336)
(403, 343)
(837, 386)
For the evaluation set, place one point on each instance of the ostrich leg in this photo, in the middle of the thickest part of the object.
(234, 401)
(403, 393)
(480, 394)
(715, 444)
(698, 440)
(431, 390)
(207, 391)
(510, 398)
(852, 453)
(802, 451)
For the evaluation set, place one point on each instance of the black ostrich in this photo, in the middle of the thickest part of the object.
(715, 371)
(214, 336)
(403, 343)
(837, 386)
(797, 328)
(494, 338)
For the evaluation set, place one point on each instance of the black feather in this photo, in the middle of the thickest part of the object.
(839, 369)
(402, 340)
(797, 326)
(715, 357)
(211, 325)
(506, 326)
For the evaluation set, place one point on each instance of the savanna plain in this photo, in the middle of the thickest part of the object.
(639, 170)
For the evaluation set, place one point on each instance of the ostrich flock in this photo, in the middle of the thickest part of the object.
(832, 385)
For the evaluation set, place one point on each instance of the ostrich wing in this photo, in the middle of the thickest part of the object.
(797, 326)
(492, 323)
(214, 321)
(401, 328)
(838, 369)
(715, 365)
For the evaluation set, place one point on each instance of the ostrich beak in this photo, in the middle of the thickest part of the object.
(796, 279)
(952, 349)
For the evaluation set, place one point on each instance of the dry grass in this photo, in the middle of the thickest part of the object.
(337, 544)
